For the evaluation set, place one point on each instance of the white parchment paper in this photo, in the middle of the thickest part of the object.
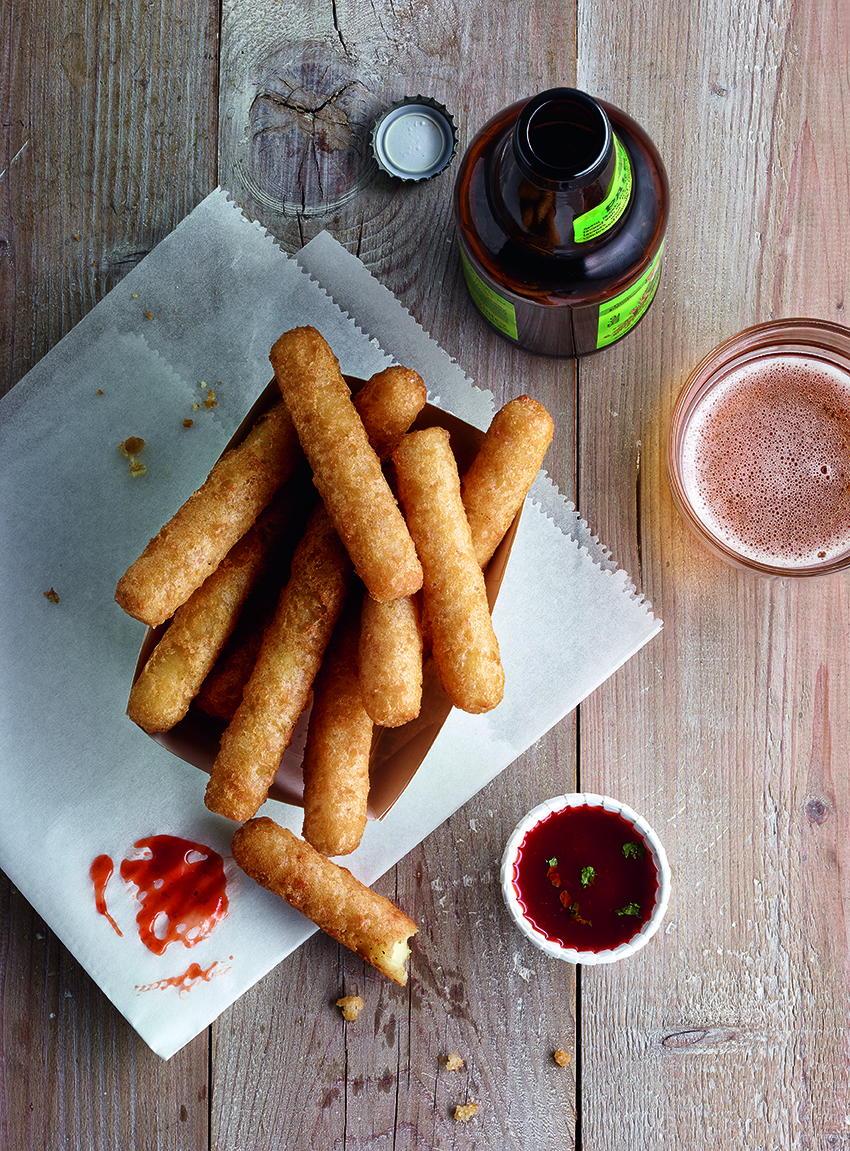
(77, 778)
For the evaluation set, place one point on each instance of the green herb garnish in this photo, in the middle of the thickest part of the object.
(634, 850)
(573, 909)
(588, 874)
(629, 909)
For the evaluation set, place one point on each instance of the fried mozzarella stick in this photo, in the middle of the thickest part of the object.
(221, 691)
(388, 404)
(177, 666)
(339, 742)
(201, 533)
(391, 638)
(454, 596)
(499, 478)
(346, 469)
(280, 684)
(351, 913)
(391, 660)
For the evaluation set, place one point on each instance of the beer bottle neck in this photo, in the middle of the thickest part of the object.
(563, 180)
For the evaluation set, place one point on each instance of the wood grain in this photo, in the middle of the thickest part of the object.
(107, 140)
(380, 1082)
(729, 1032)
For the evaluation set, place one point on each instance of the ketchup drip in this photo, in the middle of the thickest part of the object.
(101, 873)
(181, 888)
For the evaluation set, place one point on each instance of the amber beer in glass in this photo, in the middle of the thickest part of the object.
(758, 452)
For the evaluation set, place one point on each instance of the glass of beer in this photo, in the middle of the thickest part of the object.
(758, 451)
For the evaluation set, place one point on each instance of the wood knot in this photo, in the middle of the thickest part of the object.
(685, 1038)
(817, 811)
(309, 130)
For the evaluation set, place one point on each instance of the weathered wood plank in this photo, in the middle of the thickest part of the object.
(73, 1073)
(726, 731)
(476, 988)
(730, 1029)
(107, 140)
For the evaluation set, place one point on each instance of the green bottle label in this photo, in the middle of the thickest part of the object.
(500, 312)
(620, 314)
(604, 216)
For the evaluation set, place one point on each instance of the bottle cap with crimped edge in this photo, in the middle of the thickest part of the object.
(414, 139)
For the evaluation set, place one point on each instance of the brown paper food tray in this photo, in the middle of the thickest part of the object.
(397, 753)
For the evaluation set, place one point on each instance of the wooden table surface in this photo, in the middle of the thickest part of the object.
(729, 731)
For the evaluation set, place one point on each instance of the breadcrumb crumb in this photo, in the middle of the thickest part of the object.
(351, 1006)
(52, 596)
(453, 1062)
(131, 448)
(466, 1111)
(561, 1057)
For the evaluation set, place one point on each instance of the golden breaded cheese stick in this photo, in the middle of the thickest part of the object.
(339, 742)
(388, 404)
(176, 668)
(201, 533)
(344, 908)
(498, 480)
(221, 692)
(390, 650)
(454, 596)
(280, 684)
(346, 469)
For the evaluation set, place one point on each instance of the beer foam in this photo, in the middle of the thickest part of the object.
(766, 461)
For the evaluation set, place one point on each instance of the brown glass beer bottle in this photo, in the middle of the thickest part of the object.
(561, 206)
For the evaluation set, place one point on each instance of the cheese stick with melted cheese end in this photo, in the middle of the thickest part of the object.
(282, 679)
(344, 908)
(177, 666)
(391, 660)
(339, 742)
(346, 469)
(498, 480)
(454, 596)
(388, 404)
(201, 533)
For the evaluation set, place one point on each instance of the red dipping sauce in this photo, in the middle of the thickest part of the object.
(586, 879)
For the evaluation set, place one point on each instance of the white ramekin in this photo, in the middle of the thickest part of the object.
(653, 843)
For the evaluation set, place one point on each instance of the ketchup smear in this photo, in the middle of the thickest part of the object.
(185, 982)
(180, 886)
(617, 896)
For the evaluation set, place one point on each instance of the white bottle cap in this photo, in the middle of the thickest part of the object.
(414, 139)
